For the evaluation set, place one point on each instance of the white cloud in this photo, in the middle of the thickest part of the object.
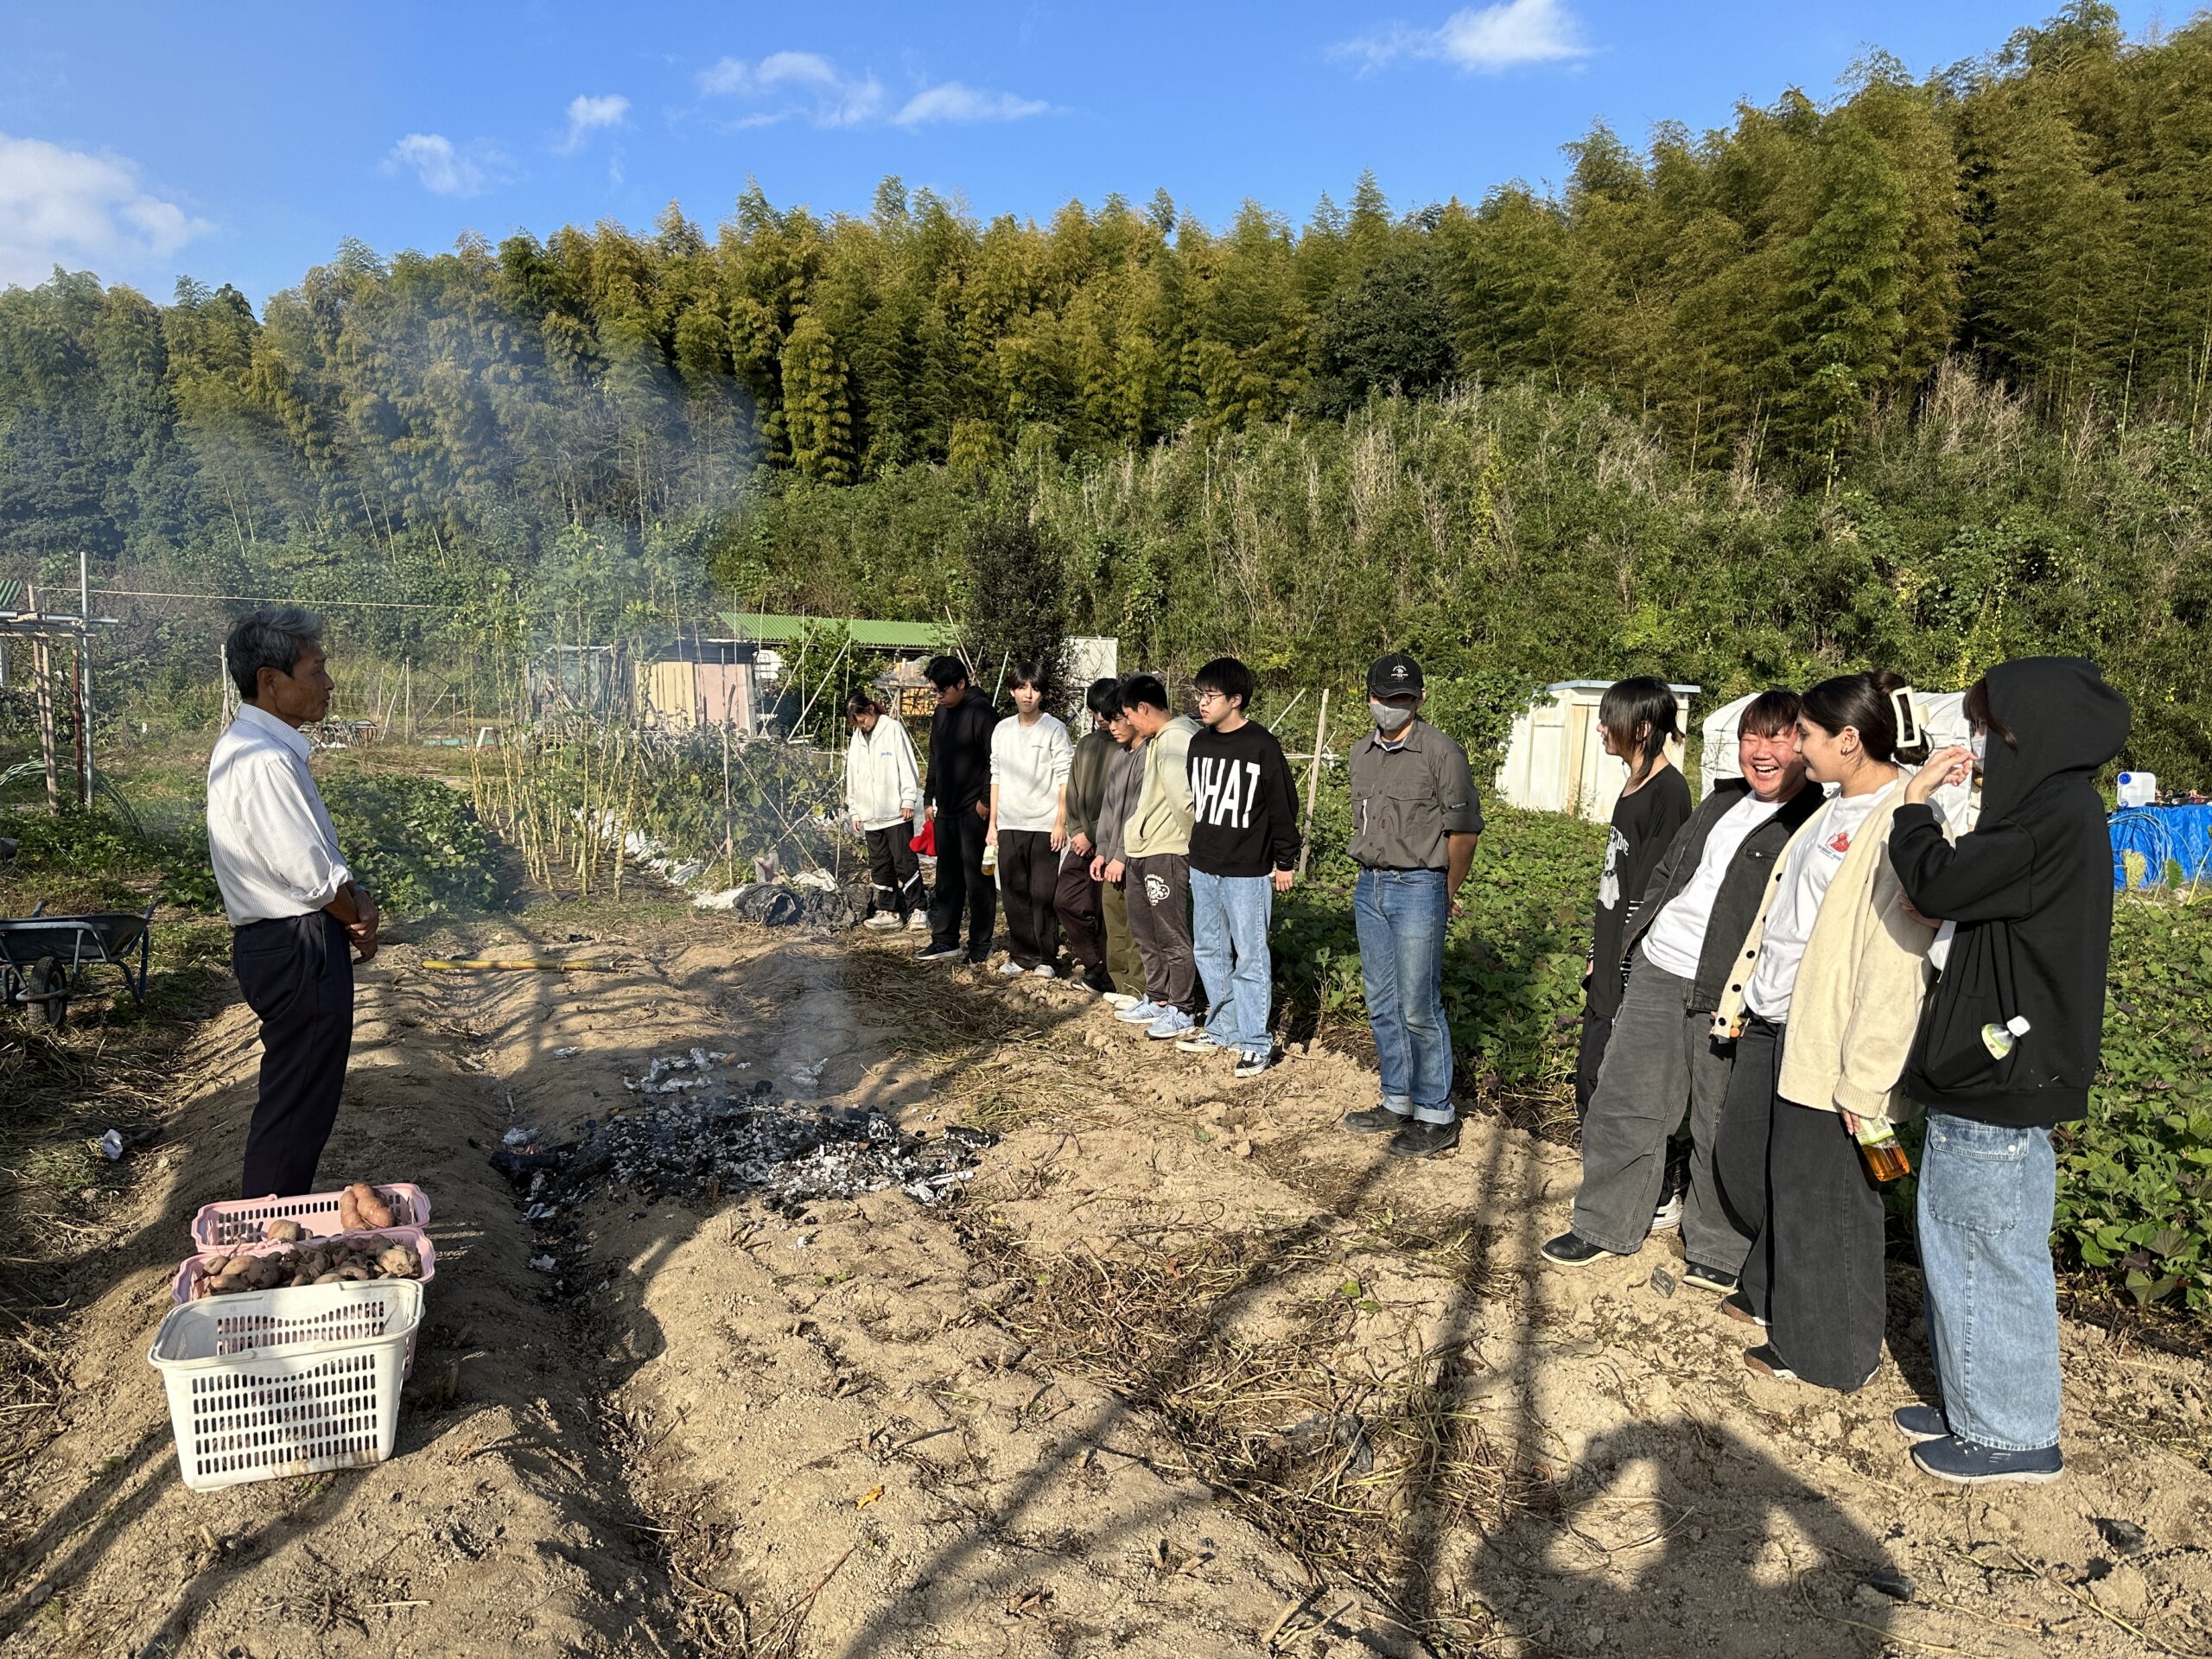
(807, 86)
(68, 207)
(588, 115)
(444, 169)
(953, 102)
(1484, 39)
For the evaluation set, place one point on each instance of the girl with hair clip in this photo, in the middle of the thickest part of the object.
(1636, 719)
(1822, 1009)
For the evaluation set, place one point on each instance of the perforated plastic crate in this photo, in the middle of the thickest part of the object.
(238, 1221)
(273, 1382)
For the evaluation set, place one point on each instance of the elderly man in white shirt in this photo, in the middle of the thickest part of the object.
(293, 905)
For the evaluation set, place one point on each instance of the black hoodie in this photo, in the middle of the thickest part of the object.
(2031, 890)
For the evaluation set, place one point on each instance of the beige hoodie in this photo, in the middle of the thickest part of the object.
(1162, 822)
(1857, 1000)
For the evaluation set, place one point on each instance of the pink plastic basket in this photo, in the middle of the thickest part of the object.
(238, 1221)
(186, 1286)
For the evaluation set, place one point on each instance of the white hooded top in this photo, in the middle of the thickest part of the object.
(882, 783)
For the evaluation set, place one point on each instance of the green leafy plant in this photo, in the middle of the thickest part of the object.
(2135, 1174)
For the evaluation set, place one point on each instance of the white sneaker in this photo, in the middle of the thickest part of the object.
(1011, 969)
(1204, 1042)
(918, 922)
(1120, 1002)
(881, 920)
(1045, 970)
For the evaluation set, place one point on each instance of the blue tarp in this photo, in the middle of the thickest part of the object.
(2158, 846)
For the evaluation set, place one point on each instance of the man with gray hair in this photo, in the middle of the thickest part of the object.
(293, 905)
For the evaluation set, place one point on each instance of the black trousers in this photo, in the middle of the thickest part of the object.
(1791, 1176)
(961, 885)
(894, 871)
(1080, 902)
(297, 974)
(1029, 870)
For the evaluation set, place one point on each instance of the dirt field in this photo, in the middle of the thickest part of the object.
(1185, 1371)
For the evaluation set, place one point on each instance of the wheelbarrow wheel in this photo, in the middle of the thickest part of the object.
(49, 977)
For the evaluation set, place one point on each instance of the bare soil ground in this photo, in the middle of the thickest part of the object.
(1186, 1370)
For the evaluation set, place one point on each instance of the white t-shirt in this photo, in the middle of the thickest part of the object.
(1029, 764)
(1811, 863)
(1675, 938)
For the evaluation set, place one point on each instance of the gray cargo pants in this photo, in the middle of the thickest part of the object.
(1662, 1054)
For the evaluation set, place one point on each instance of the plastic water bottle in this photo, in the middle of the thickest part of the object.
(1879, 1147)
(2138, 788)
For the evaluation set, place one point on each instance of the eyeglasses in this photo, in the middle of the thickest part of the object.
(1213, 697)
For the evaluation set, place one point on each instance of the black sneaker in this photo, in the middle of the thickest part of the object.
(1919, 1423)
(1571, 1250)
(937, 953)
(1377, 1120)
(1718, 1281)
(1968, 1464)
(1737, 1306)
(1767, 1362)
(1419, 1140)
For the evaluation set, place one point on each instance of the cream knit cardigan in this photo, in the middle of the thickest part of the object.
(1858, 991)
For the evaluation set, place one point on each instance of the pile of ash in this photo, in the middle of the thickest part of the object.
(820, 912)
(709, 1139)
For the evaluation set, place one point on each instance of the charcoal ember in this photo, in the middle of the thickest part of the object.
(719, 1141)
(517, 1166)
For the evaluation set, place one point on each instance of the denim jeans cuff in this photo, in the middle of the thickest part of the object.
(1438, 1114)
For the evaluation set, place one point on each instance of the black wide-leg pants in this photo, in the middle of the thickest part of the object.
(296, 972)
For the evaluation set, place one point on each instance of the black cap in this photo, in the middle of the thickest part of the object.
(1394, 675)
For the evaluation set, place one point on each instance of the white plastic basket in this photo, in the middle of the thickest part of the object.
(293, 1381)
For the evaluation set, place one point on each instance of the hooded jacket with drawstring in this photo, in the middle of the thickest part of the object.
(2031, 889)
(882, 783)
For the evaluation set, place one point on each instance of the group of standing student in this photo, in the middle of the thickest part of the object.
(1813, 957)
(1156, 845)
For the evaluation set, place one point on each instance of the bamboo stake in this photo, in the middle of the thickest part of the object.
(729, 827)
(85, 672)
(42, 674)
(1313, 784)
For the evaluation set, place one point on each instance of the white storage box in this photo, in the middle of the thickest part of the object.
(293, 1381)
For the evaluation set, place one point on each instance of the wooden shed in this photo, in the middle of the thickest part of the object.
(701, 682)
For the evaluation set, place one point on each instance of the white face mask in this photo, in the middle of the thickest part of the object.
(1978, 746)
(1388, 717)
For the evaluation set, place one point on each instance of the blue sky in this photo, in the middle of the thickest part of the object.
(240, 142)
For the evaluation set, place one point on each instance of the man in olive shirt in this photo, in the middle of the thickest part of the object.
(1415, 822)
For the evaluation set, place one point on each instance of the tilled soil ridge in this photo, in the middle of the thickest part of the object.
(1184, 1368)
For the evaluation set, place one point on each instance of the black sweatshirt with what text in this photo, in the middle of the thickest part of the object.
(1245, 805)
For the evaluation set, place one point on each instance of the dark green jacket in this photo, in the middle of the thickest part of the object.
(1094, 754)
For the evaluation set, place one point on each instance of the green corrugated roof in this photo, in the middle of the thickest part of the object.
(882, 636)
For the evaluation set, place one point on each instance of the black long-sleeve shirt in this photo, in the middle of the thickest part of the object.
(1245, 802)
(960, 754)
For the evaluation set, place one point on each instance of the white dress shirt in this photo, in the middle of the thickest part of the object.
(269, 835)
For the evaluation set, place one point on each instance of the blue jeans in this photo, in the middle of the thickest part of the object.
(1985, 1210)
(1229, 936)
(1400, 916)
